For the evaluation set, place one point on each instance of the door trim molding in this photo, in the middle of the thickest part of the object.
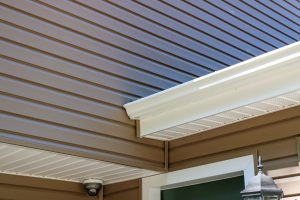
(152, 186)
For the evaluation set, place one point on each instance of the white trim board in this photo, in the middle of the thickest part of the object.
(242, 90)
(152, 186)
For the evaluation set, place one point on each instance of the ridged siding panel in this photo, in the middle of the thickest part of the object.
(125, 190)
(30, 188)
(67, 67)
(61, 92)
(274, 136)
(272, 128)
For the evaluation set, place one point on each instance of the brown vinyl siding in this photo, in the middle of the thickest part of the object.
(30, 188)
(270, 130)
(275, 136)
(125, 190)
(61, 92)
(67, 68)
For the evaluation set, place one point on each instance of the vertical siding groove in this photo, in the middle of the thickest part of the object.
(288, 7)
(33, 56)
(161, 48)
(263, 19)
(293, 3)
(235, 34)
(155, 71)
(256, 31)
(67, 46)
(270, 10)
(211, 43)
(47, 55)
(138, 53)
(190, 66)
(132, 63)
(251, 21)
(284, 12)
(166, 34)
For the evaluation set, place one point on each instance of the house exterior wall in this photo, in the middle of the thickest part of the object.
(67, 68)
(61, 93)
(274, 136)
(14, 187)
(125, 190)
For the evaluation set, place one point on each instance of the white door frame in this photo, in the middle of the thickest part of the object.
(152, 186)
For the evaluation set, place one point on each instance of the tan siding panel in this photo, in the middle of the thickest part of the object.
(126, 190)
(97, 48)
(65, 90)
(116, 24)
(91, 75)
(100, 142)
(170, 15)
(237, 140)
(273, 136)
(139, 16)
(284, 172)
(298, 148)
(83, 88)
(29, 188)
(240, 126)
(290, 186)
(110, 37)
(287, 178)
(74, 55)
(63, 117)
(69, 66)
(274, 150)
(63, 100)
(132, 194)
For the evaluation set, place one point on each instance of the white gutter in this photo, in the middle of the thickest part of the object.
(264, 77)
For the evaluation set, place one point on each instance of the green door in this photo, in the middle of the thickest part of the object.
(227, 189)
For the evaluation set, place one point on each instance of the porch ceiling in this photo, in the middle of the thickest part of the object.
(255, 87)
(25, 161)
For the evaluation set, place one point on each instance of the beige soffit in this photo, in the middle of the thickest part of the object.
(255, 87)
(25, 161)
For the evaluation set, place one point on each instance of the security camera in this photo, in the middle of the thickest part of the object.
(92, 186)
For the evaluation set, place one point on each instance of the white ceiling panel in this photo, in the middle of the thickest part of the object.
(44, 164)
(239, 114)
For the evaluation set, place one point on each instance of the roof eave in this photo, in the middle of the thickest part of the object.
(254, 80)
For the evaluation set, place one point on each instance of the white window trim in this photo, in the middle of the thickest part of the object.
(152, 186)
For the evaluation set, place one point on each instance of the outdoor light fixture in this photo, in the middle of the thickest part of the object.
(261, 187)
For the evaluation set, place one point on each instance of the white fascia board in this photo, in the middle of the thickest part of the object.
(254, 80)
